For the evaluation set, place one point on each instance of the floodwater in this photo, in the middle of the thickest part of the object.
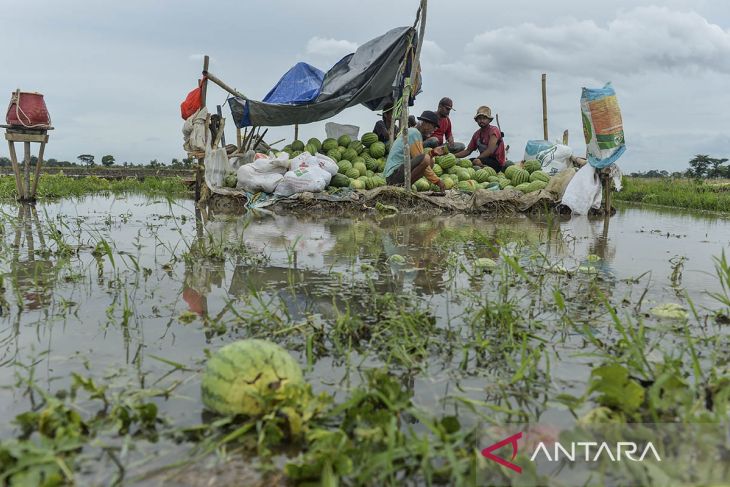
(145, 283)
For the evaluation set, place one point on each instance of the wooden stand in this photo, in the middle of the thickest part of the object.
(13, 134)
(607, 184)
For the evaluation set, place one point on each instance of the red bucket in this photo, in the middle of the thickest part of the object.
(28, 110)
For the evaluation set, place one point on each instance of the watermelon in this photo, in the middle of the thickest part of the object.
(472, 172)
(328, 145)
(508, 171)
(446, 161)
(353, 173)
(463, 174)
(438, 170)
(356, 145)
(448, 182)
(369, 173)
(294, 154)
(334, 154)
(537, 185)
(357, 184)
(377, 150)
(422, 185)
(493, 179)
(344, 141)
(469, 185)
(519, 176)
(524, 187)
(539, 176)
(349, 154)
(465, 163)
(503, 183)
(360, 167)
(344, 166)
(297, 145)
(243, 376)
(310, 148)
(370, 163)
(230, 181)
(315, 142)
(340, 181)
(368, 139)
(532, 166)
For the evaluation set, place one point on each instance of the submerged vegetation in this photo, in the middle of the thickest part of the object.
(59, 186)
(415, 338)
(691, 194)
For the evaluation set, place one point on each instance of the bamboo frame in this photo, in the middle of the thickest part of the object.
(544, 107)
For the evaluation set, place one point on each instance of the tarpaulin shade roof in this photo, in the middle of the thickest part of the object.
(301, 84)
(368, 77)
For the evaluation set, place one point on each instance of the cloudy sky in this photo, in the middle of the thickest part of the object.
(114, 73)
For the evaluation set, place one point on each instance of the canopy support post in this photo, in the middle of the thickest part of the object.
(544, 107)
(407, 97)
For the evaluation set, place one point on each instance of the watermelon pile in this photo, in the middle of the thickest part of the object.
(361, 164)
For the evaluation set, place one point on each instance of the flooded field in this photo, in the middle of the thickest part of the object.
(110, 307)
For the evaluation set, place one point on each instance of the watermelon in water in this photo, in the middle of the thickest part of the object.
(243, 376)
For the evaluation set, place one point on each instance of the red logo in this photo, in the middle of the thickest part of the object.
(487, 452)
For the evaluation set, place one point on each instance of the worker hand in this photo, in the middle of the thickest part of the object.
(439, 151)
(441, 185)
(477, 162)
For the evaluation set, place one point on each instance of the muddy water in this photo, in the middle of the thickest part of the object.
(131, 292)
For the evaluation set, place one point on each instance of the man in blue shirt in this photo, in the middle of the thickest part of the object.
(421, 164)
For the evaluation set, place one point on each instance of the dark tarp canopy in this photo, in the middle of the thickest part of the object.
(368, 77)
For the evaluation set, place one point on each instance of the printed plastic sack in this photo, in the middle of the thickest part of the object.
(304, 179)
(583, 191)
(253, 181)
(533, 147)
(555, 159)
(602, 126)
(319, 160)
(216, 166)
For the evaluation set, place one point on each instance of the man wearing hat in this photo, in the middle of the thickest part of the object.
(443, 131)
(487, 140)
(421, 164)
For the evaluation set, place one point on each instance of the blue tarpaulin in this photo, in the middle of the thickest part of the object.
(301, 84)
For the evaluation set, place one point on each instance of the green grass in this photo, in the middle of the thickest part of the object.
(681, 193)
(59, 186)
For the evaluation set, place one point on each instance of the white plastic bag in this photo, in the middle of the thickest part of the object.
(306, 179)
(555, 159)
(253, 181)
(533, 147)
(195, 133)
(583, 191)
(216, 166)
(265, 164)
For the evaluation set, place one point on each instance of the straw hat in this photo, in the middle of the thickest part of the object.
(485, 112)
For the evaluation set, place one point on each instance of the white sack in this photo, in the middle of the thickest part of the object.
(253, 181)
(583, 191)
(308, 179)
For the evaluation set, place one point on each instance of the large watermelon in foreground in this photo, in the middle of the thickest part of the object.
(242, 375)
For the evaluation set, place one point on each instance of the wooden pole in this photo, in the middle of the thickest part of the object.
(565, 137)
(26, 170)
(201, 160)
(220, 83)
(296, 131)
(223, 134)
(16, 169)
(238, 138)
(407, 96)
(38, 165)
(544, 107)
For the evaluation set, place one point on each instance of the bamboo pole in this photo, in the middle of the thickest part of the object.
(238, 138)
(544, 107)
(565, 137)
(407, 96)
(296, 131)
(26, 170)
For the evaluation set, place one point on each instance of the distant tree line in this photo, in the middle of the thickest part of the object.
(88, 160)
(701, 166)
